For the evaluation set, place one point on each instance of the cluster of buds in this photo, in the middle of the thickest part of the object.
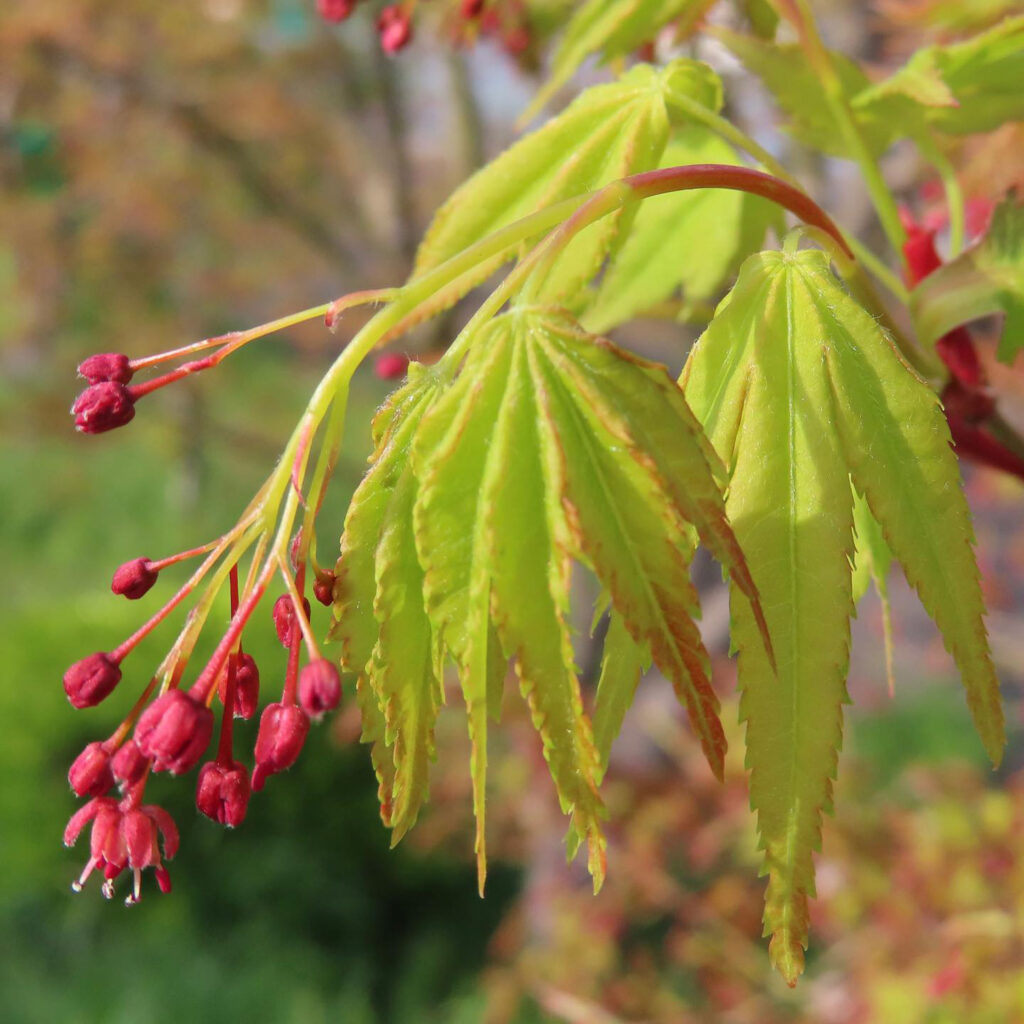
(967, 399)
(394, 23)
(170, 727)
(506, 21)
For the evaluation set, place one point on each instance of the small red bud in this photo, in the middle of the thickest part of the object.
(106, 366)
(90, 680)
(102, 407)
(129, 764)
(284, 617)
(247, 687)
(283, 729)
(90, 773)
(323, 589)
(134, 578)
(516, 41)
(223, 792)
(394, 26)
(335, 10)
(391, 366)
(319, 688)
(472, 8)
(175, 731)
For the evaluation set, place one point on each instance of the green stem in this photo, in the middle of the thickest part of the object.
(954, 193)
(731, 133)
(877, 267)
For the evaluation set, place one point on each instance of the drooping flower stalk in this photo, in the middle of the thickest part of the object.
(171, 725)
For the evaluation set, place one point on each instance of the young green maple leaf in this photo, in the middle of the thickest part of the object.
(685, 240)
(791, 79)
(380, 621)
(612, 28)
(987, 278)
(974, 85)
(550, 445)
(800, 390)
(609, 132)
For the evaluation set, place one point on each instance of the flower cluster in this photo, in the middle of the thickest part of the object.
(506, 21)
(171, 725)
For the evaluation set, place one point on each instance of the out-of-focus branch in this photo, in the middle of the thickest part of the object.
(204, 131)
(399, 162)
(467, 110)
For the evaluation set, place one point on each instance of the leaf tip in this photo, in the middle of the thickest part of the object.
(787, 956)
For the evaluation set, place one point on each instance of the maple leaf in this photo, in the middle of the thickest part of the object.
(800, 390)
(547, 446)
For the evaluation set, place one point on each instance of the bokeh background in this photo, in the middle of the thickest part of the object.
(169, 171)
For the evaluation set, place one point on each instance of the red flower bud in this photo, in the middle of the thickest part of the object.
(134, 578)
(223, 792)
(323, 589)
(106, 366)
(319, 688)
(104, 406)
(247, 687)
(284, 617)
(88, 681)
(391, 366)
(335, 10)
(128, 765)
(394, 26)
(283, 729)
(472, 8)
(516, 41)
(175, 731)
(90, 773)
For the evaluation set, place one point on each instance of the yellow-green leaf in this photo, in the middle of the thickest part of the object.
(987, 278)
(355, 624)
(897, 445)
(457, 460)
(624, 519)
(685, 240)
(529, 549)
(609, 132)
(790, 505)
(974, 85)
(611, 28)
(800, 390)
(793, 82)
(401, 672)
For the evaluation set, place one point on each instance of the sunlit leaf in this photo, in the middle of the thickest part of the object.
(609, 132)
(872, 563)
(791, 506)
(531, 601)
(971, 86)
(896, 443)
(623, 662)
(401, 672)
(987, 278)
(612, 28)
(800, 389)
(458, 463)
(793, 82)
(356, 625)
(625, 519)
(685, 240)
